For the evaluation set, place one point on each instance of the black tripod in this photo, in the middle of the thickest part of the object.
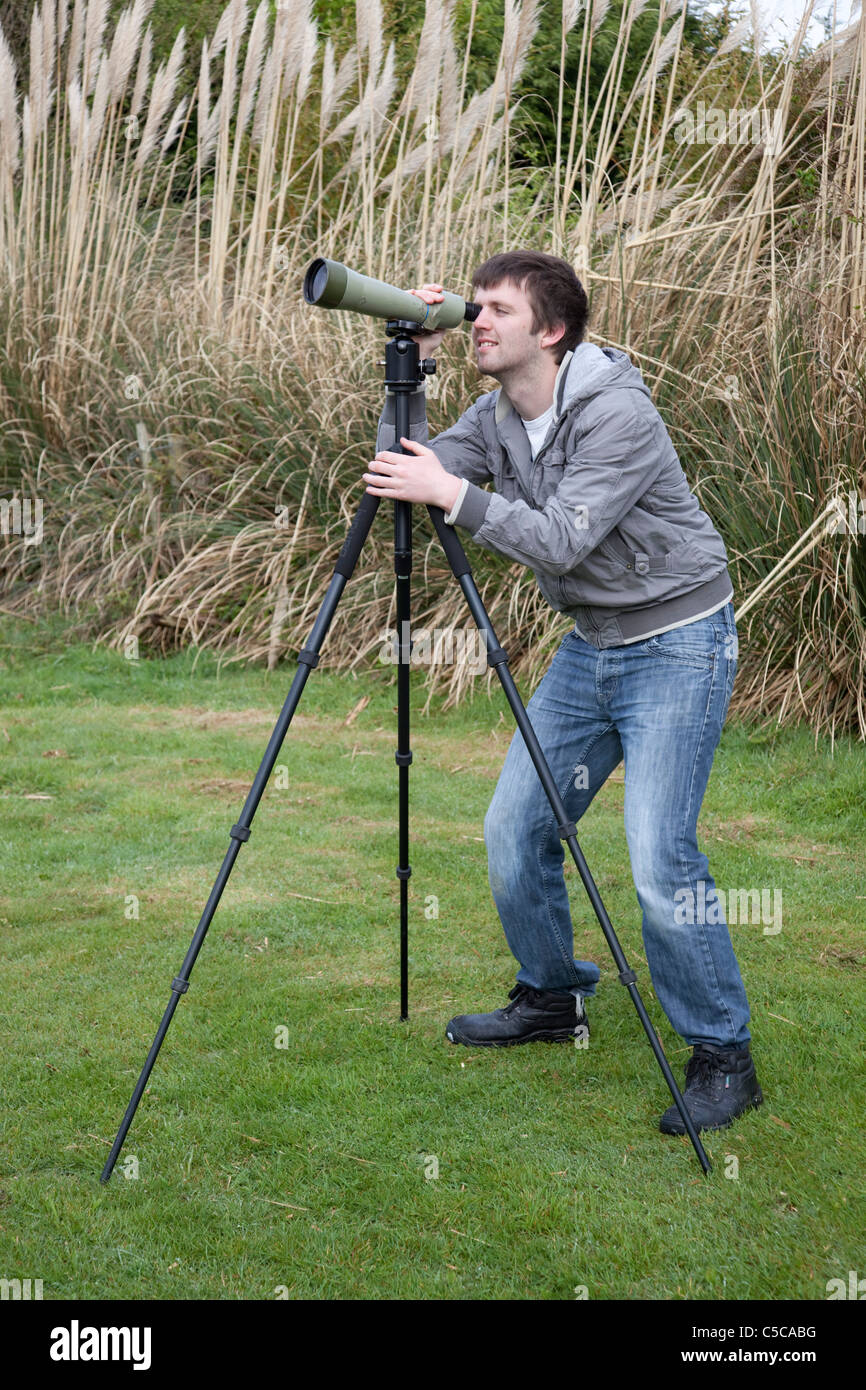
(403, 374)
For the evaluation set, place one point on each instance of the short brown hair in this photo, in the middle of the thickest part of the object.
(550, 285)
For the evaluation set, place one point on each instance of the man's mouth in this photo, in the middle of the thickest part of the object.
(484, 343)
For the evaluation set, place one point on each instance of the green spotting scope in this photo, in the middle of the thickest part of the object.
(333, 286)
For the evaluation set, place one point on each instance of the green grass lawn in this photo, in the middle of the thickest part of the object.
(310, 1167)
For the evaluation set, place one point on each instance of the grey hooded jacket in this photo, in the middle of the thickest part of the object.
(603, 516)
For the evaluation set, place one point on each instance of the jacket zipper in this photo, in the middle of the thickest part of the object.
(542, 451)
(544, 448)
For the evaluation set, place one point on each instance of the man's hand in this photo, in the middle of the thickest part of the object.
(408, 479)
(431, 294)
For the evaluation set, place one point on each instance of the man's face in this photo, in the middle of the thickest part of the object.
(502, 334)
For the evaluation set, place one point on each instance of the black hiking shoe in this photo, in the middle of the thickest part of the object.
(534, 1015)
(720, 1085)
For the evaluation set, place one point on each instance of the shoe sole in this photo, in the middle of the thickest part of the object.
(510, 1042)
(677, 1126)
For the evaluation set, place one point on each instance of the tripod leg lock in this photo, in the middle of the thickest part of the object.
(308, 657)
(402, 759)
(179, 986)
(627, 977)
(240, 832)
(567, 829)
(403, 873)
(496, 656)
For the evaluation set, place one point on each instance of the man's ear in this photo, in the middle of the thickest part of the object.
(553, 336)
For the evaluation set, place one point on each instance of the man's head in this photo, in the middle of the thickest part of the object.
(541, 291)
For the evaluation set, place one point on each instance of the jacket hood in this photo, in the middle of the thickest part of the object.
(584, 373)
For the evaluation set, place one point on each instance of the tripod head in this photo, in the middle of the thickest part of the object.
(404, 369)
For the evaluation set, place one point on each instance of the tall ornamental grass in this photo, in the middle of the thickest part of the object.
(195, 434)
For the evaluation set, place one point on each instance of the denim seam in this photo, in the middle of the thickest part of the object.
(683, 869)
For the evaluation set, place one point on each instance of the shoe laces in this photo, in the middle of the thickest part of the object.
(517, 996)
(704, 1068)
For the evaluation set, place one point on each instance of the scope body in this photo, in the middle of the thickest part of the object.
(331, 285)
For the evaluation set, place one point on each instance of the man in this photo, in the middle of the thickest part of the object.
(589, 493)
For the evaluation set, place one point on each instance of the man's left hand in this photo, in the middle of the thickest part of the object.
(412, 479)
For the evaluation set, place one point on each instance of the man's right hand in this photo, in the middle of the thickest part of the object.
(429, 342)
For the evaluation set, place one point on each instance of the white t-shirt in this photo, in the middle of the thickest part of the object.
(537, 429)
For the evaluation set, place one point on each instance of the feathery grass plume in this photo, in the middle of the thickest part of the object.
(142, 73)
(370, 113)
(203, 100)
(758, 31)
(94, 30)
(369, 30)
(263, 97)
(49, 50)
(49, 36)
(235, 17)
(327, 87)
(99, 106)
(308, 58)
(298, 20)
(734, 39)
(124, 46)
(78, 115)
(451, 98)
(161, 95)
(226, 167)
(208, 139)
(10, 131)
(174, 125)
(252, 66)
(521, 23)
(228, 21)
(39, 78)
(666, 50)
(599, 13)
(626, 209)
(424, 99)
(423, 93)
(271, 89)
(75, 47)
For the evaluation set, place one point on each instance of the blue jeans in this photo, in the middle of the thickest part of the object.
(660, 705)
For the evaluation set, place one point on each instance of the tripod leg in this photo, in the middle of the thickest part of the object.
(497, 657)
(403, 756)
(308, 657)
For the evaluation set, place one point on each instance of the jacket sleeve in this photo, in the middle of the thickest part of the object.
(615, 460)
